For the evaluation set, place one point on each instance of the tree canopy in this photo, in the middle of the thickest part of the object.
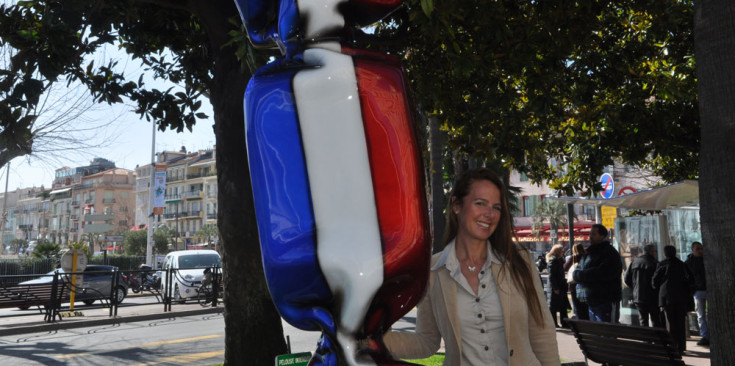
(582, 82)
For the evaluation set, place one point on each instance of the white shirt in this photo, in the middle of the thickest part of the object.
(480, 316)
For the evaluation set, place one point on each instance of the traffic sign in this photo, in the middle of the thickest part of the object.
(608, 186)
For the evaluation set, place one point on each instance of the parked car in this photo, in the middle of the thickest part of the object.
(96, 283)
(186, 269)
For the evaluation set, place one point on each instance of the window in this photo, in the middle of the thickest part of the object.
(524, 177)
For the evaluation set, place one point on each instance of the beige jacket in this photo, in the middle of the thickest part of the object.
(528, 342)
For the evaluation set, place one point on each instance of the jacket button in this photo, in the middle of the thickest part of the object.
(477, 299)
(511, 352)
(482, 331)
(487, 348)
(479, 315)
(482, 272)
(483, 286)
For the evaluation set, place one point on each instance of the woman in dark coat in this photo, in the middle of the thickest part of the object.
(674, 281)
(557, 285)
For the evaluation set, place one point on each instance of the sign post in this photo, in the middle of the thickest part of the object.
(608, 185)
(71, 262)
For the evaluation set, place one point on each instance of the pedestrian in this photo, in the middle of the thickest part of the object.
(557, 286)
(580, 309)
(674, 282)
(598, 277)
(484, 298)
(695, 263)
(639, 277)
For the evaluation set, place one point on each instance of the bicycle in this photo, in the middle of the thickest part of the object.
(205, 294)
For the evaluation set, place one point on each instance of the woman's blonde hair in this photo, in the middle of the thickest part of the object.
(501, 241)
(556, 251)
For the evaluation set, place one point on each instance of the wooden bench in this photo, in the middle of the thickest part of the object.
(46, 295)
(628, 345)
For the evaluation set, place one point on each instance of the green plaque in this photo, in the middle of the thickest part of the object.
(294, 359)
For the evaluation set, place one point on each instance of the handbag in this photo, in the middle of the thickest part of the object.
(570, 273)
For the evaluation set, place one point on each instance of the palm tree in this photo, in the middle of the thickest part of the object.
(555, 213)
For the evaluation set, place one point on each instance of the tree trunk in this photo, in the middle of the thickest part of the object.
(437, 184)
(715, 52)
(253, 330)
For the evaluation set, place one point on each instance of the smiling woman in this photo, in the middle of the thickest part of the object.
(484, 295)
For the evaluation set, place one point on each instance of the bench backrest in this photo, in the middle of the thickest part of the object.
(30, 295)
(628, 345)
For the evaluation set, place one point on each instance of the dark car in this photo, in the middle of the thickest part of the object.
(97, 283)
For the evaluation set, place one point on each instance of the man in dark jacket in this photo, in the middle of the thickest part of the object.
(695, 263)
(638, 277)
(598, 277)
(673, 281)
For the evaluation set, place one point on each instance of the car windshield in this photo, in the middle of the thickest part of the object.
(199, 261)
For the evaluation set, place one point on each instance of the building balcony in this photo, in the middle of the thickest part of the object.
(25, 227)
(192, 194)
(211, 194)
(75, 203)
(194, 175)
(73, 230)
(173, 179)
(196, 213)
(89, 200)
(75, 217)
(108, 200)
(211, 216)
(172, 197)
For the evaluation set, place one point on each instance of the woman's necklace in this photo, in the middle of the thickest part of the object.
(471, 268)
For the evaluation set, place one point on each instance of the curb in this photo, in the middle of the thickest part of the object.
(52, 327)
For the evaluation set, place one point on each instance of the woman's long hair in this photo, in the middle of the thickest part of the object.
(501, 240)
(577, 252)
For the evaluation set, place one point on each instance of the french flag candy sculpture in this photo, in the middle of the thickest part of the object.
(337, 177)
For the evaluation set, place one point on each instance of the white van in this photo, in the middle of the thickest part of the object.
(185, 269)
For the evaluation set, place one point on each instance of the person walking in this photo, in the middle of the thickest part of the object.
(580, 309)
(556, 286)
(598, 277)
(639, 277)
(695, 263)
(484, 297)
(673, 281)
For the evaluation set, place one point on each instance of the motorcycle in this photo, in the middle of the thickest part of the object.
(147, 280)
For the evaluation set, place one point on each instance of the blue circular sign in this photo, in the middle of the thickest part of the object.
(608, 186)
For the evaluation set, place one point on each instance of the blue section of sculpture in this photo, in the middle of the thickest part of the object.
(271, 23)
(282, 205)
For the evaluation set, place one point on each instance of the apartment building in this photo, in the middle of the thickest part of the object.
(102, 204)
(190, 195)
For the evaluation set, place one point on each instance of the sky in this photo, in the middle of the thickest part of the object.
(114, 132)
(126, 141)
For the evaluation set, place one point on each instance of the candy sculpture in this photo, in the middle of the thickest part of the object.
(337, 177)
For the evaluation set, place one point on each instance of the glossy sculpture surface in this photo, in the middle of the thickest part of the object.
(337, 177)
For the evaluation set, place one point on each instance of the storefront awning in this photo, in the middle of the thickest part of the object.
(681, 195)
(62, 190)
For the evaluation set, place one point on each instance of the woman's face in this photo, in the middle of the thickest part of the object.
(478, 214)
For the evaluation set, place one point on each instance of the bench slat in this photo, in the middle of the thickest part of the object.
(627, 345)
(630, 346)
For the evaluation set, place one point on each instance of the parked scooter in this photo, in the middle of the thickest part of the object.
(147, 279)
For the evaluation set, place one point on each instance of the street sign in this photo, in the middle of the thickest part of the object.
(115, 238)
(294, 359)
(67, 261)
(608, 186)
(608, 216)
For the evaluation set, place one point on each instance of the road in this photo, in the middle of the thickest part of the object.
(195, 340)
